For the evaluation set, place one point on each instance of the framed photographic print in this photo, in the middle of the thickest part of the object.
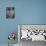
(32, 32)
(10, 12)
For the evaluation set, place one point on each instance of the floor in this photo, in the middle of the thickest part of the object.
(30, 43)
(7, 45)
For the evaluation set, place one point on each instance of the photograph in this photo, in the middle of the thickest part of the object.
(30, 33)
(10, 12)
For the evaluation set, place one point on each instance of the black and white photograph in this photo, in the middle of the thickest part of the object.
(31, 34)
(10, 12)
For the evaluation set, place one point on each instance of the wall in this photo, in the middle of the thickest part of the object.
(6, 25)
(31, 11)
(27, 12)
